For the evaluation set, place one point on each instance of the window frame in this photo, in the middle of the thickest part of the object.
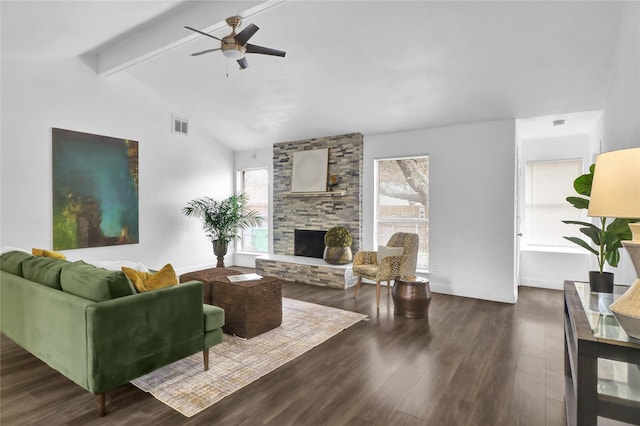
(240, 185)
(376, 206)
(568, 247)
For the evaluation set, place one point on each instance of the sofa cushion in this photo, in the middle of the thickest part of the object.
(89, 282)
(47, 253)
(147, 281)
(43, 270)
(11, 262)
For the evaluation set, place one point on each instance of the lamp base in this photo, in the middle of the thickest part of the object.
(627, 312)
(627, 308)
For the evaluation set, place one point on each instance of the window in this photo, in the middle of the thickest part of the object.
(402, 201)
(547, 185)
(256, 184)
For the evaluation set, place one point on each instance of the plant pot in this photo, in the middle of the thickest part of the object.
(220, 250)
(337, 255)
(601, 282)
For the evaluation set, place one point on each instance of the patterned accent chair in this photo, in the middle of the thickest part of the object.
(365, 263)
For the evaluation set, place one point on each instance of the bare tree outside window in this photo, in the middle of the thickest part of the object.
(403, 201)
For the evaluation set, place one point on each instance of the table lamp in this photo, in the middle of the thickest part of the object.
(616, 193)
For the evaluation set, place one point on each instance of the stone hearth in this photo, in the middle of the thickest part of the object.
(306, 270)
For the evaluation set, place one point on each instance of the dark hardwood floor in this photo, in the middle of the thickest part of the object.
(472, 362)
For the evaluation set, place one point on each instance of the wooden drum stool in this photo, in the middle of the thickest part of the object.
(411, 297)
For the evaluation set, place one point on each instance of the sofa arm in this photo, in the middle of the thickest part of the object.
(47, 322)
(134, 335)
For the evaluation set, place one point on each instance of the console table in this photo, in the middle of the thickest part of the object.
(601, 362)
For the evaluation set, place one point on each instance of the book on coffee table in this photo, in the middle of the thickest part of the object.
(244, 277)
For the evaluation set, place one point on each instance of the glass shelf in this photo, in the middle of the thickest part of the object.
(596, 306)
(619, 379)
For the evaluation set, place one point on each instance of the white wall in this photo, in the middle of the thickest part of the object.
(40, 94)
(472, 189)
(255, 159)
(622, 104)
(541, 267)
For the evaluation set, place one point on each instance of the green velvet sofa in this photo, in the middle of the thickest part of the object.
(88, 324)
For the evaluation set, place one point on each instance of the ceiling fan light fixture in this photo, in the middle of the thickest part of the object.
(235, 46)
(232, 52)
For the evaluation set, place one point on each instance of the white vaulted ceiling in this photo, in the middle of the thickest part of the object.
(360, 66)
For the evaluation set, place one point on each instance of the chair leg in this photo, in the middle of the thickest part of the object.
(388, 287)
(355, 294)
(100, 399)
(205, 357)
(378, 293)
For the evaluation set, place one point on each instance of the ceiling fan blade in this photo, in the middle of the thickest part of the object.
(244, 35)
(203, 33)
(243, 63)
(204, 51)
(252, 48)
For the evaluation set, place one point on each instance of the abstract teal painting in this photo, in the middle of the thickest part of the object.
(95, 190)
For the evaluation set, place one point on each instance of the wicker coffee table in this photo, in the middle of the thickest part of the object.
(250, 307)
(207, 276)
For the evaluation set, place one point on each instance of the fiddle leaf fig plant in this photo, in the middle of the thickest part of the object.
(606, 238)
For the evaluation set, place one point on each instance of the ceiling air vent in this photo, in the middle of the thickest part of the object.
(180, 125)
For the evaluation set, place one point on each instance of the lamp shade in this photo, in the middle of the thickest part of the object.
(615, 191)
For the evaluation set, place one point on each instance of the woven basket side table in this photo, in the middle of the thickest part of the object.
(250, 307)
(207, 276)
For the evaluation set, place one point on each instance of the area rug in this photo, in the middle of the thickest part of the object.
(236, 362)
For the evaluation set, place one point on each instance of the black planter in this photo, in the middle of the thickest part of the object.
(601, 282)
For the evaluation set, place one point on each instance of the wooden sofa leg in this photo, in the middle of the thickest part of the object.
(355, 294)
(205, 357)
(100, 399)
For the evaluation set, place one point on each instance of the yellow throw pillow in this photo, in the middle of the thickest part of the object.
(48, 253)
(147, 281)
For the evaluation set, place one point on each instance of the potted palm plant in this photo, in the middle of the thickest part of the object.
(223, 220)
(605, 237)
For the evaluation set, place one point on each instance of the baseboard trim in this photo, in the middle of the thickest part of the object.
(474, 293)
(551, 285)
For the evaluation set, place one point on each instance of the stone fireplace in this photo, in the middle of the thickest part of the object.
(322, 210)
(315, 211)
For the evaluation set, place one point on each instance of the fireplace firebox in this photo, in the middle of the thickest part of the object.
(308, 243)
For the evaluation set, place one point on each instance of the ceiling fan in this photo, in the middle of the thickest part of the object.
(234, 46)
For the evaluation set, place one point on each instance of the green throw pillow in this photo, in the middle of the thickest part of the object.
(11, 262)
(43, 270)
(89, 282)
